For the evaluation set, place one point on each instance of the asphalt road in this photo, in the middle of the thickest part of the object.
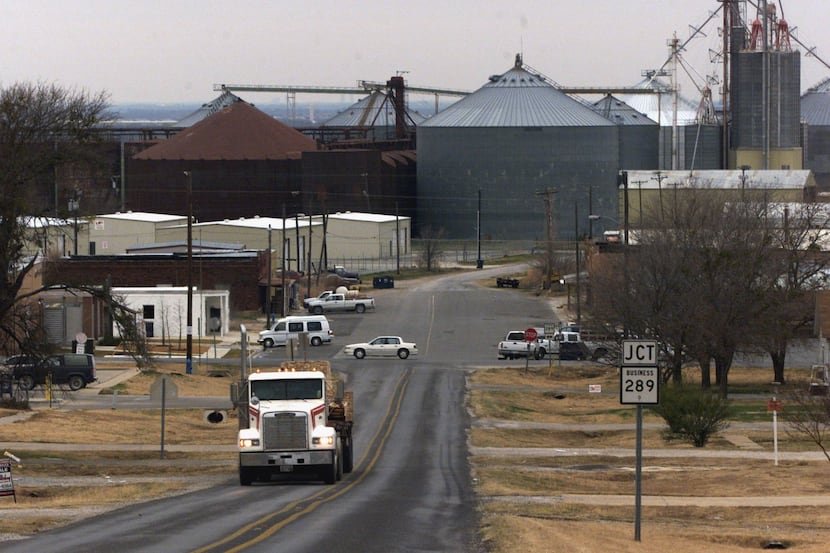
(411, 489)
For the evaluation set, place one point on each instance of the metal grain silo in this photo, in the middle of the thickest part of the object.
(519, 141)
(638, 134)
(815, 112)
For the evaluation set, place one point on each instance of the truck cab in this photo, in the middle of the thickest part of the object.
(297, 422)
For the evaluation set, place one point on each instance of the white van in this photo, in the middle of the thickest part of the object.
(290, 328)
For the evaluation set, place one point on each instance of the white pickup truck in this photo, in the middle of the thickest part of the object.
(514, 345)
(340, 302)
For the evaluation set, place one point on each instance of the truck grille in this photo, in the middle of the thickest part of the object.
(285, 431)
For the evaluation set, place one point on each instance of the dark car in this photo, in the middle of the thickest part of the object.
(76, 370)
(350, 276)
(383, 282)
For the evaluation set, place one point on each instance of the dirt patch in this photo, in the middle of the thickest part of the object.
(532, 503)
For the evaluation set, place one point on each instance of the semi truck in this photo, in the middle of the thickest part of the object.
(297, 420)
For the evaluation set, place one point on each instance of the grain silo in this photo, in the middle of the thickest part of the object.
(699, 141)
(520, 143)
(765, 90)
(815, 112)
(638, 134)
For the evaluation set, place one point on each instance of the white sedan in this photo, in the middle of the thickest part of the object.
(383, 346)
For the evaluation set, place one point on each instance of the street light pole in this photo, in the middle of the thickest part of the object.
(189, 361)
(576, 242)
(270, 273)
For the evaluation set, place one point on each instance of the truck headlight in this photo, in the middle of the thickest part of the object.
(325, 440)
(248, 442)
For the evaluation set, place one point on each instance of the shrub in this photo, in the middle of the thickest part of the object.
(691, 414)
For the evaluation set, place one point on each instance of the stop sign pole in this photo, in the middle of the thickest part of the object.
(530, 337)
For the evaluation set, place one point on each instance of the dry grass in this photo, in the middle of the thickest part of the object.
(510, 487)
(521, 496)
(181, 426)
(205, 380)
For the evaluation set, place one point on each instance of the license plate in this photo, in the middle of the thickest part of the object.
(286, 468)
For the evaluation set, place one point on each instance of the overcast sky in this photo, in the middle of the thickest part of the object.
(176, 50)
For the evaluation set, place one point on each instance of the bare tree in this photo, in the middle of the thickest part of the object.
(432, 251)
(42, 127)
(809, 416)
(696, 279)
(797, 268)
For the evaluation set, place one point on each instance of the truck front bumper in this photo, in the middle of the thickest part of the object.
(285, 458)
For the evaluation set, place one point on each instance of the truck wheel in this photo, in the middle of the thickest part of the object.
(541, 353)
(360, 353)
(360, 308)
(268, 343)
(339, 460)
(330, 472)
(348, 457)
(316, 341)
(317, 309)
(403, 353)
(246, 476)
(26, 382)
(76, 382)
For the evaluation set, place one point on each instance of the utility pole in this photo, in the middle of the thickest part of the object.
(479, 261)
(282, 267)
(189, 361)
(308, 269)
(576, 243)
(270, 273)
(639, 184)
(547, 194)
(398, 240)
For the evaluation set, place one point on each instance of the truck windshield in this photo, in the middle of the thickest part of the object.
(267, 390)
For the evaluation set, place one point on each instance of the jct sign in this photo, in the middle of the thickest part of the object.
(639, 352)
(639, 375)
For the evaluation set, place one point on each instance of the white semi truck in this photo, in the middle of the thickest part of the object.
(295, 419)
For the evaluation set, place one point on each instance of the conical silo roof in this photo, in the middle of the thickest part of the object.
(517, 98)
(660, 106)
(815, 105)
(206, 110)
(375, 110)
(620, 113)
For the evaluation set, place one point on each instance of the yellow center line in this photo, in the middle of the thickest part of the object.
(316, 500)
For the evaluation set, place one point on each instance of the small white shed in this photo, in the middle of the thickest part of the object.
(162, 310)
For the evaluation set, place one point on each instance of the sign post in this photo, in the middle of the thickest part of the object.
(639, 384)
(530, 337)
(550, 331)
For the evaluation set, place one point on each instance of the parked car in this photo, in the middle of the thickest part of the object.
(73, 369)
(317, 327)
(382, 346)
(345, 274)
(385, 281)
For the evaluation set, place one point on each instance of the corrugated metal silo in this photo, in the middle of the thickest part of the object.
(638, 133)
(747, 100)
(514, 139)
(815, 111)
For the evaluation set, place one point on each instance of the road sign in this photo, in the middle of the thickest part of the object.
(531, 334)
(639, 385)
(639, 352)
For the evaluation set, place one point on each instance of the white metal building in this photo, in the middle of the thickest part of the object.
(163, 310)
(113, 233)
